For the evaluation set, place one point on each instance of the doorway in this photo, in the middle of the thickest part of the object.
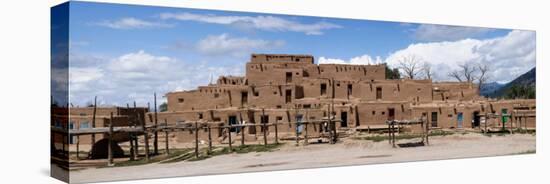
(344, 117)
(460, 120)
(476, 121)
(391, 114)
(434, 119)
(233, 121)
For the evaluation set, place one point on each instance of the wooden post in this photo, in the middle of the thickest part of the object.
(145, 136)
(242, 134)
(264, 127)
(209, 140)
(276, 132)
(427, 135)
(486, 121)
(305, 136)
(155, 139)
(131, 140)
(393, 134)
(297, 137)
(389, 132)
(93, 118)
(110, 146)
(134, 135)
(166, 137)
(77, 147)
(230, 143)
(196, 139)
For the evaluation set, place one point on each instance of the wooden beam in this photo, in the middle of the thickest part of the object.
(264, 127)
(110, 143)
(305, 136)
(196, 139)
(155, 140)
(276, 131)
(230, 142)
(145, 136)
(166, 138)
(77, 147)
(93, 118)
(209, 140)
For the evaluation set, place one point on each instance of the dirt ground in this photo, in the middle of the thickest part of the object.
(346, 152)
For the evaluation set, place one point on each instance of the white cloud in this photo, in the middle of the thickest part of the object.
(131, 23)
(431, 32)
(136, 76)
(265, 23)
(360, 60)
(508, 56)
(224, 44)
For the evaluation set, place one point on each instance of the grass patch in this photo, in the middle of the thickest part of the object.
(526, 152)
(216, 151)
(153, 159)
(385, 137)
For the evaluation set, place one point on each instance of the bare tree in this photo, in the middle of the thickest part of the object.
(427, 70)
(457, 75)
(483, 77)
(410, 66)
(466, 73)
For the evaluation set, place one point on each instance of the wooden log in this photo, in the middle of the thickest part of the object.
(427, 134)
(110, 143)
(296, 132)
(134, 135)
(276, 132)
(230, 142)
(196, 140)
(155, 139)
(77, 147)
(305, 135)
(241, 128)
(166, 138)
(145, 136)
(93, 118)
(130, 135)
(209, 140)
(393, 135)
(389, 133)
(264, 127)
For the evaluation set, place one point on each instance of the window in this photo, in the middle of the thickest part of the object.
(307, 106)
(378, 93)
(288, 77)
(350, 90)
(256, 93)
(373, 112)
(244, 98)
(71, 125)
(200, 116)
(180, 100)
(279, 118)
(82, 114)
(216, 95)
(323, 89)
(84, 124)
(288, 96)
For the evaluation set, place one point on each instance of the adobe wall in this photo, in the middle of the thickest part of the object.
(396, 90)
(454, 91)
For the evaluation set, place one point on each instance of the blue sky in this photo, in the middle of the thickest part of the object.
(124, 52)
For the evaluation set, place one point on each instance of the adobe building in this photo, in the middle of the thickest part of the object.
(82, 118)
(292, 88)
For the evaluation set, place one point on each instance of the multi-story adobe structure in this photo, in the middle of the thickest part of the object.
(291, 88)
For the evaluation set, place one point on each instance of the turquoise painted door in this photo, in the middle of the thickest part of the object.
(460, 120)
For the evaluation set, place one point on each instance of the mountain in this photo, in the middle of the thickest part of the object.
(526, 82)
(490, 88)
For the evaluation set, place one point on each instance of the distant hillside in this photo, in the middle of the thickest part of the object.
(523, 84)
(490, 88)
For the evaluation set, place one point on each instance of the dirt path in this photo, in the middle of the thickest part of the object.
(349, 152)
